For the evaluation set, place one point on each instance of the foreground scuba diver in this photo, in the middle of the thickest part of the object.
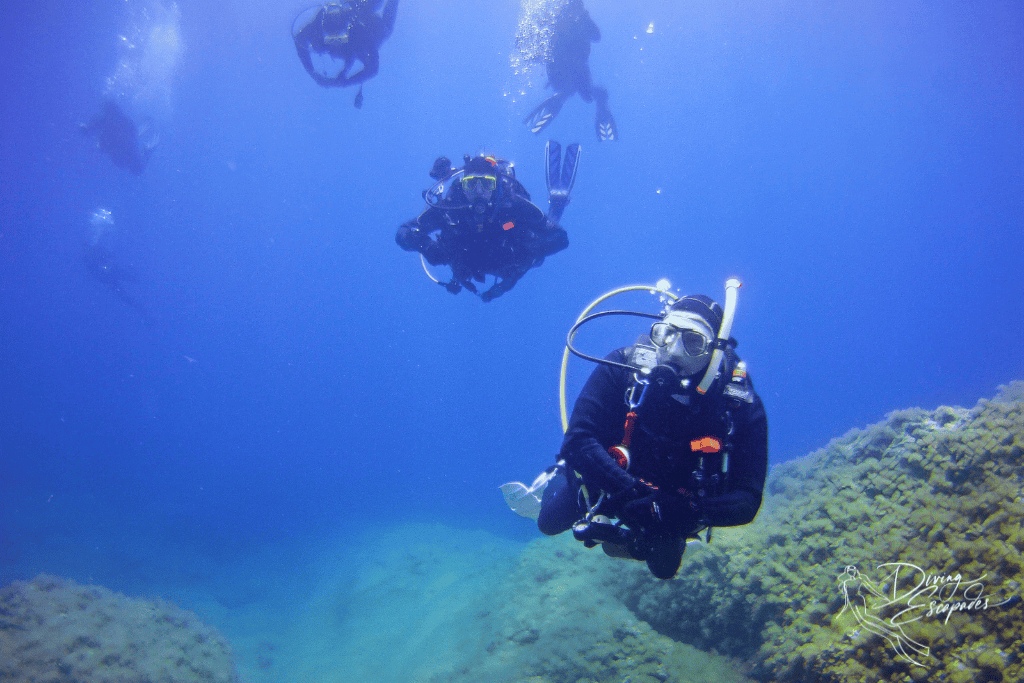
(569, 71)
(480, 221)
(348, 31)
(685, 451)
(118, 136)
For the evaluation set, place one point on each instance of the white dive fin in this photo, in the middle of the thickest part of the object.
(523, 500)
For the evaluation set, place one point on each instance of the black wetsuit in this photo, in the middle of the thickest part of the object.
(104, 268)
(662, 451)
(118, 136)
(505, 242)
(568, 71)
(355, 33)
(568, 62)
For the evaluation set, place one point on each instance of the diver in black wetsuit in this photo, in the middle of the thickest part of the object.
(480, 221)
(118, 136)
(667, 438)
(569, 71)
(349, 31)
(104, 268)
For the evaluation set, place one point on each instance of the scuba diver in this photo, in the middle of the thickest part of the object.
(104, 268)
(687, 450)
(480, 221)
(349, 31)
(569, 71)
(118, 136)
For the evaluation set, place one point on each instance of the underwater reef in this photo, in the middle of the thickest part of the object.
(54, 631)
(892, 554)
(555, 617)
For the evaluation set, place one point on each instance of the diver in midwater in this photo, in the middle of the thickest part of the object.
(685, 450)
(128, 145)
(480, 221)
(568, 69)
(103, 267)
(349, 31)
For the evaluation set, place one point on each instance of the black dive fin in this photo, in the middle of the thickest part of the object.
(572, 161)
(604, 124)
(560, 177)
(545, 113)
(553, 154)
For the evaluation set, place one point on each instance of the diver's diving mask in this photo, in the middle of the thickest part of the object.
(692, 343)
(683, 340)
(477, 184)
(335, 24)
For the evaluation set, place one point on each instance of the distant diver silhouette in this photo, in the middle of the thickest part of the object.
(120, 138)
(104, 268)
(569, 71)
(349, 31)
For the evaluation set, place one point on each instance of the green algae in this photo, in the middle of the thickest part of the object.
(939, 490)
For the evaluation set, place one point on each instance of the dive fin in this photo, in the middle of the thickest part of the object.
(553, 153)
(526, 501)
(572, 161)
(545, 113)
(358, 102)
(521, 500)
(604, 124)
(560, 177)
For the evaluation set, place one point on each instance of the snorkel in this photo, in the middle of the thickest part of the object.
(732, 288)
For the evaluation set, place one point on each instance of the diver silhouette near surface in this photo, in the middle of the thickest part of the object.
(349, 31)
(480, 221)
(568, 70)
(119, 137)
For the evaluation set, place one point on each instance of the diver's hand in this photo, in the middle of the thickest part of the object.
(679, 511)
(488, 295)
(637, 505)
(453, 287)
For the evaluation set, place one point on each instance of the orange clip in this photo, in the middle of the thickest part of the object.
(708, 444)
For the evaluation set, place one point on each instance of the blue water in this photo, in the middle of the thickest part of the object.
(859, 165)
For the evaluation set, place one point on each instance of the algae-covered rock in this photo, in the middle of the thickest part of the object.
(924, 509)
(54, 630)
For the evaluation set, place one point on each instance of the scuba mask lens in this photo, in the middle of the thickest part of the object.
(472, 184)
(660, 333)
(692, 342)
(334, 25)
